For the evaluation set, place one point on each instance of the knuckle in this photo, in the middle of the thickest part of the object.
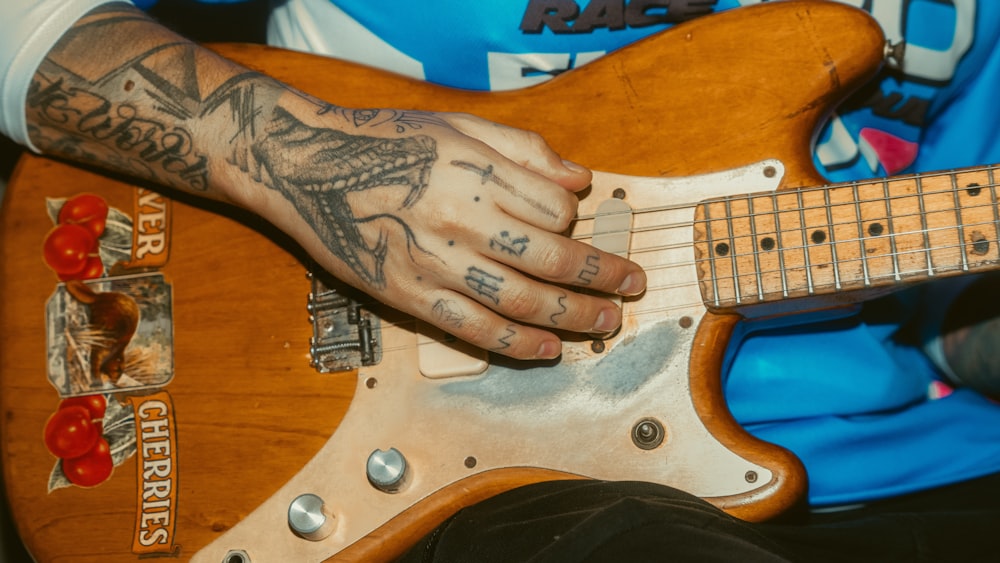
(565, 207)
(477, 330)
(556, 263)
(449, 216)
(523, 304)
(536, 140)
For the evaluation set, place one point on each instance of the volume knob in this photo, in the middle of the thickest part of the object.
(387, 470)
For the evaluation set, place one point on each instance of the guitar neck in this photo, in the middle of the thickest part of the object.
(765, 247)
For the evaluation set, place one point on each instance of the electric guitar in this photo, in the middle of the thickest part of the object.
(209, 396)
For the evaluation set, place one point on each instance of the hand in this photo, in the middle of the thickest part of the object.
(450, 218)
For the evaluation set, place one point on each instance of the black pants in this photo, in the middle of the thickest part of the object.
(635, 522)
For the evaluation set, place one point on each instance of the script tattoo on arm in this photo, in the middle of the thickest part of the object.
(116, 111)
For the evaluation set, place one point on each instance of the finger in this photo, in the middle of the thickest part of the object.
(523, 299)
(521, 193)
(466, 319)
(525, 148)
(558, 259)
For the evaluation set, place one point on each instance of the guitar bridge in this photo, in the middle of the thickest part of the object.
(345, 335)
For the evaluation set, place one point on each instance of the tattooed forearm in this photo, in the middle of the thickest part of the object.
(484, 284)
(132, 105)
(504, 242)
(141, 146)
(120, 91)
(487, 175)
(586, 275)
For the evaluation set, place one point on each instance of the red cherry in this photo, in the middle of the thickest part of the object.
(70, 432)
(92, 468)
(67, 248)
(95, 404)
(92, 269)
(87, 210)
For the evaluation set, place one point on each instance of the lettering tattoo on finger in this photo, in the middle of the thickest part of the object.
(504, 341)
(488, 176)
(562, 310)
(484, 284)
(504, 242)
(446, 312)
(587, 274)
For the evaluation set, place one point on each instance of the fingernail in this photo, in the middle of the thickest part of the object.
(607, 320)
(573, 166)
(549, 349)
(633, 285)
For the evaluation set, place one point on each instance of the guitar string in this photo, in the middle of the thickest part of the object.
(848, 185)
(796, 230)
(885, 201)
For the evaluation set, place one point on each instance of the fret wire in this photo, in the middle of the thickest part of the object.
(711, 252)
(781, 248)
(903, 253)
(861, 234)
(958, 221)
(996, 211)
(923, 225)
(833, 241)
(688, 224)
(892, 235)
(732, 251)
(673, 207)
(991, 223)
(756, 248)
(805, 244)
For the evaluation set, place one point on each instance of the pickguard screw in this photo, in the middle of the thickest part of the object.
(371, 382)
(770, 172)
(686, 322)
(648, 434)
(597, 346)
(751, 476)
(236, 556)
(470, 462)
(619, 193)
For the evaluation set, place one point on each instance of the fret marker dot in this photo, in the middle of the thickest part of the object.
(767, 243)
(973, 189)
(980, 244)
(875, 229)
(818, 237)
(722, 249)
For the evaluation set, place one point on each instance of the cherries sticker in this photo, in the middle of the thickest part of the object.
(74, 434)
(72, 247)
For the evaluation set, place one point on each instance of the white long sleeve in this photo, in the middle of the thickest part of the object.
(28, 30)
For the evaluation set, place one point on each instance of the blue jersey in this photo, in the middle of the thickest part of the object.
(869, 417)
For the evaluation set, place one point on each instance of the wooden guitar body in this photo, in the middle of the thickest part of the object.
(240, 425)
